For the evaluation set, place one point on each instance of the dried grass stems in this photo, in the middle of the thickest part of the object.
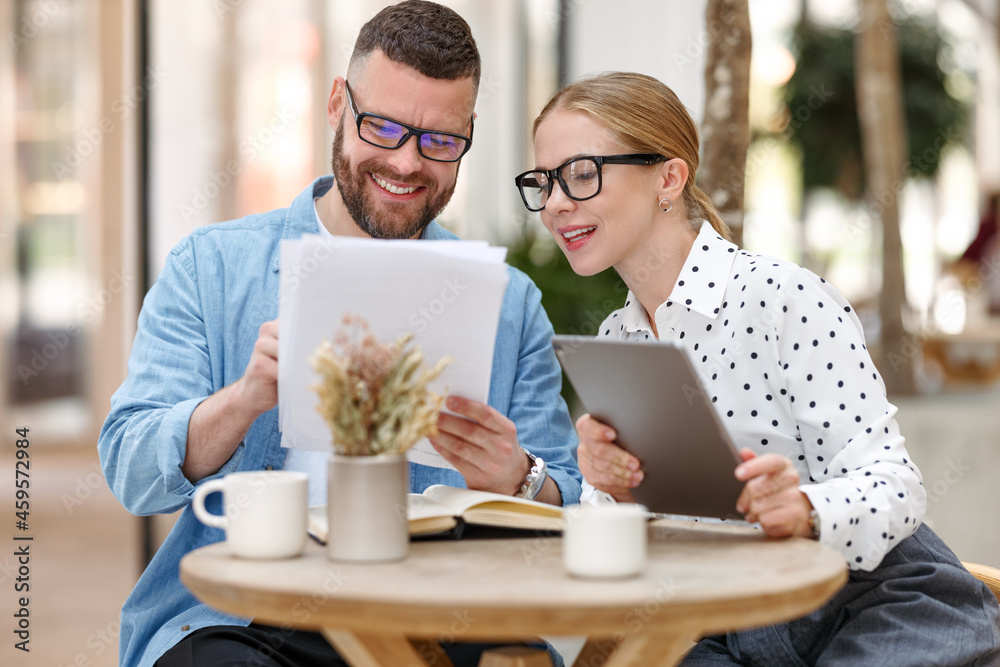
(372, 394)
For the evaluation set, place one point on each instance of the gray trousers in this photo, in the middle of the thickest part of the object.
(920, 607)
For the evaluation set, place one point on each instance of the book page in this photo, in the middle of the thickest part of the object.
(439, 508)
(425, 516)
(494, 509)
(419, 506)
(496, 514)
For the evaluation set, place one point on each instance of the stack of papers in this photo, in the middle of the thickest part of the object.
(446, 293)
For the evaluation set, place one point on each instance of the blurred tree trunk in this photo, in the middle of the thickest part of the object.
(883, 143)
(725, 129)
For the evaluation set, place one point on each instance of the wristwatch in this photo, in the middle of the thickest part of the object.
(536, 477)
(814, 523)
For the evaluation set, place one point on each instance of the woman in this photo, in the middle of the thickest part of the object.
(783, 357)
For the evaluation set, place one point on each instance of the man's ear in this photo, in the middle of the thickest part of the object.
(672, 177)
(337, 102)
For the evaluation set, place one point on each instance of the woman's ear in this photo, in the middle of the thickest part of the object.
(671, 178)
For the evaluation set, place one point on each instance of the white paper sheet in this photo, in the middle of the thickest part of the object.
(446, 293)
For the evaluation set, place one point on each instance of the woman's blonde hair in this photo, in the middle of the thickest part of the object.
(645, 115)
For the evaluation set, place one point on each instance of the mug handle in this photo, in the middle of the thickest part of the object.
(198, 504)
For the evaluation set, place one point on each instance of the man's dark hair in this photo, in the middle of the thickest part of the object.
(430, 38)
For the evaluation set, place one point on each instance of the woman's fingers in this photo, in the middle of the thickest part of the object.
(604, 464)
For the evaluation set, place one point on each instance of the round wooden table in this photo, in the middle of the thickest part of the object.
(700, 579)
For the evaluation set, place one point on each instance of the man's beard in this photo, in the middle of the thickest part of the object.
(361, 207)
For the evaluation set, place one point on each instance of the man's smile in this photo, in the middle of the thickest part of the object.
(389, 187)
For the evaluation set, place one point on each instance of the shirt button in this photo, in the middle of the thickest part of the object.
(268, 467)
(185, 627)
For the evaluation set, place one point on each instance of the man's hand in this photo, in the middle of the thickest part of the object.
(483, 448)
(771, 495)
(604, 464)
(258, 388)
(218, 424)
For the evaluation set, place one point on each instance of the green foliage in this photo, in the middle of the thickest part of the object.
(823, 105)
(576, 304)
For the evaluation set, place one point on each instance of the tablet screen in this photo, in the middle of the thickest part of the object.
(650, 394)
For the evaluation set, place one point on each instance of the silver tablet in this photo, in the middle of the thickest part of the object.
(649, 393)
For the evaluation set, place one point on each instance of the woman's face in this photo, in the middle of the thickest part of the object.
(610, 228)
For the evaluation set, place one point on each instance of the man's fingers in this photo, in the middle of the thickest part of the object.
(461, 428)
(479, 441)
(457, 452)
(482, 444)
(267, 347)
(268, 330)
(267, 340)
(478, 412)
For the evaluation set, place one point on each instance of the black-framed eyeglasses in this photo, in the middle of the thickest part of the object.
(387, 133)
(579, 178)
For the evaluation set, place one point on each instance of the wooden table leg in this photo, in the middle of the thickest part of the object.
(431, 651)
(663, 648)
(371, 650)
(595, 652)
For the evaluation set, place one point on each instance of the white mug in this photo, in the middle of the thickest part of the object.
(265, 512)
(607, 540)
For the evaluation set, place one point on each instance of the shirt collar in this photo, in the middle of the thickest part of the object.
(701, 284)
(301, 217)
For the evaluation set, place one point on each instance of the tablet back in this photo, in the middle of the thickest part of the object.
(649, 393)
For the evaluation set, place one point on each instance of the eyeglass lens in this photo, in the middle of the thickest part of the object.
(580, 178)
(388, 134)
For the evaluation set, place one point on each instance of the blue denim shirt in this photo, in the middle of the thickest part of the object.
(196, 332)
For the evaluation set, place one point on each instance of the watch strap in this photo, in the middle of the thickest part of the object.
(535, 479)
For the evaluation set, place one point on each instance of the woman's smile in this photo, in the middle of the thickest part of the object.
(576, 236)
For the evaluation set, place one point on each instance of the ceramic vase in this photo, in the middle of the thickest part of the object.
(366, 501)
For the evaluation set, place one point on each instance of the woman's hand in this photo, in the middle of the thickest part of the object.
(604, 464)
(771, 495)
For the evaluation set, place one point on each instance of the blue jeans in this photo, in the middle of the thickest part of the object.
(920, 607)
(266, 646)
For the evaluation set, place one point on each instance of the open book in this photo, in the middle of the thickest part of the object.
(443, 509)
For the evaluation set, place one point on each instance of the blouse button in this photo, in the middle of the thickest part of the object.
(268, 467)
(185, 628)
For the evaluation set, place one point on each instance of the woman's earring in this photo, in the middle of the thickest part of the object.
(670, 205)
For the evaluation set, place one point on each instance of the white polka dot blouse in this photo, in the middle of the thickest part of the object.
(782, 356)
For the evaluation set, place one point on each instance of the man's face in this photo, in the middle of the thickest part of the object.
(394, 194)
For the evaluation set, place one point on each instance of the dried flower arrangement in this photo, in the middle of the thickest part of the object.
(370, 392)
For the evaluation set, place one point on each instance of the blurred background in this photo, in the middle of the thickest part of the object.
(126, 124)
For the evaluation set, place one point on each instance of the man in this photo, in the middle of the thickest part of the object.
(199, 400)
